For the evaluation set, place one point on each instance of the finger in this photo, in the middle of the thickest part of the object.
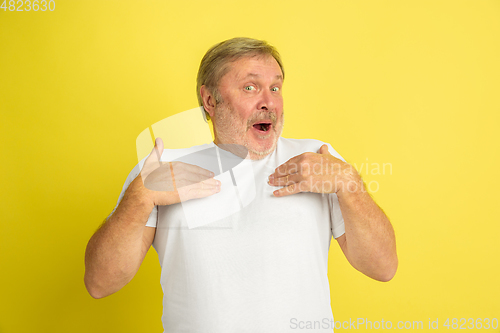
(186, 174)
(198, 190)
(191, 179)
(152, 162)
(172, 196)
(285, 180)
(288, 190)
(157, 151)
(324, 150)
(159, 146)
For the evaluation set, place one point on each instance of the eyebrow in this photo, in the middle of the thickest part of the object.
(278, 77)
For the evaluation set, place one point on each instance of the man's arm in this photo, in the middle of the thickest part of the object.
(368, 243)
(116, 250)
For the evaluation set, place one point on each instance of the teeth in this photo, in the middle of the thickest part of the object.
(262, 126)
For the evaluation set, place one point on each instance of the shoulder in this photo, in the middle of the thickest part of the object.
(175, 154)
(299, 146)
(169, 155)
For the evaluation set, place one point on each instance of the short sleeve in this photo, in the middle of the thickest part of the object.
(131, 176)
(336, 218)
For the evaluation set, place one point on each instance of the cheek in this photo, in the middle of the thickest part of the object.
(279, 104)
(243, 109)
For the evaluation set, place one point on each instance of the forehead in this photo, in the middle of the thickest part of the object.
(260, 66)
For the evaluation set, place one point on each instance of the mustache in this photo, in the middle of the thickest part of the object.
(265, 115)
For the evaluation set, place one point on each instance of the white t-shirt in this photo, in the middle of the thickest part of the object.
(260, 268)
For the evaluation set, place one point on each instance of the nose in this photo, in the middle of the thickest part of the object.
(266, 101)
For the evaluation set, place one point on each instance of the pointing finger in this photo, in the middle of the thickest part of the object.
(324, 150)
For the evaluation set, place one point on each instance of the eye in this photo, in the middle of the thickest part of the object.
(249, 88)
(275, 89)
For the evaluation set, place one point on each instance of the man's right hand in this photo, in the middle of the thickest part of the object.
(117, 249)
(168, 183)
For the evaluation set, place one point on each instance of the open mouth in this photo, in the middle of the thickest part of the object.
(264, 127)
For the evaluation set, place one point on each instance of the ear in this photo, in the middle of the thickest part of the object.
(208, 100)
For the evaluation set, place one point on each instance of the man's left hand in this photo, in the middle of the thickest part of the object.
(315, 172)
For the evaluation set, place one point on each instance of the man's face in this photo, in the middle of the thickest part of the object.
(251, 113)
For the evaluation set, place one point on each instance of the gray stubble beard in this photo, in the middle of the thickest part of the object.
(224, 119)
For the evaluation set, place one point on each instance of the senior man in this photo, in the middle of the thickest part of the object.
(263, 267)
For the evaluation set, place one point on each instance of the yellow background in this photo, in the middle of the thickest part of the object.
(411, 83)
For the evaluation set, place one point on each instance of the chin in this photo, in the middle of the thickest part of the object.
(257, 153)
(258, 149)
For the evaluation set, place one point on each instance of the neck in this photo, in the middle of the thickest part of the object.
(242, 151)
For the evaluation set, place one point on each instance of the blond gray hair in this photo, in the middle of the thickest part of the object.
(215, 63)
